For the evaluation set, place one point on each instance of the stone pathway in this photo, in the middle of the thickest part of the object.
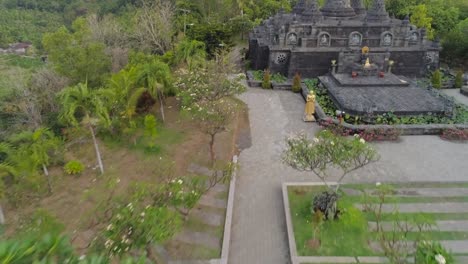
(259, 229)
(446, 226)
(455, 93)
(208, 212)
(424, 207)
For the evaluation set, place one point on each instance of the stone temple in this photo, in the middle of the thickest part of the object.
(361, 56)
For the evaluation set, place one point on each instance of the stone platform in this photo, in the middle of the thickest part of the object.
(392, 93)
(388, 80)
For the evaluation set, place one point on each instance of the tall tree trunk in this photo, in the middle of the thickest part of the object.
(46, 173)
(96, 147)
(2, 216)
(161, 107)
(212, 151)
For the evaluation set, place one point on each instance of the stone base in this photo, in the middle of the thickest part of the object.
(366, 98)
(309, 118)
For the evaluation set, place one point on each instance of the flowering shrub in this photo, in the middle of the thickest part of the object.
(455, 134)
(73, 167)
(432, 253)
(132, 227)
(380, 134)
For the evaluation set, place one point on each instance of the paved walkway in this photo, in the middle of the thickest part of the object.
(259, 228)
(460, 98)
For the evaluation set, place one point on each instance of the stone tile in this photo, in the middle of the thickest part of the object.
(433, 192)
(213, 202)
(446, 226)
(208, 218)
(198, 238)
(425, 207)
(455, 246)
(211, 261)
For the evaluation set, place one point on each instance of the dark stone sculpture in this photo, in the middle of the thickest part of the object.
(326, 204)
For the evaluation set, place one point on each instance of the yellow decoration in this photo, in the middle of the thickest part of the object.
(365, 50)
(367, 64)
(310, 108)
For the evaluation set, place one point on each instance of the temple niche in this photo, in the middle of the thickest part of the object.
(308, 39)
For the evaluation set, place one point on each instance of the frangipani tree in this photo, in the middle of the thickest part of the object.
(325, 153)
(87, 107)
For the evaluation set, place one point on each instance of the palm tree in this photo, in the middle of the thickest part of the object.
(191, 52)
(81, 105)
(37, 145)
(156, 77)
(127, 93)
(43, 141)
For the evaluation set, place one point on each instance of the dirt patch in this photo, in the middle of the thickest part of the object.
(75, 199)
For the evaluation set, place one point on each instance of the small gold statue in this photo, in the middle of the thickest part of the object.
(367, 64)
(365, 50)
(310, 108)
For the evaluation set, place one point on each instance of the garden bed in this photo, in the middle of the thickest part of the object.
(278, 82)
(326, 111)
(352, 235)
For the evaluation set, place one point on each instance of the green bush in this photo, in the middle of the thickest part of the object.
(430, 252)
(296, 86)
(436, 79)
(74, 167)
(278, 78)
(41, 223)
(459, 79)
(266, 84)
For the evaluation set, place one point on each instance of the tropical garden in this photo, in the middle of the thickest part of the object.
(101, 118)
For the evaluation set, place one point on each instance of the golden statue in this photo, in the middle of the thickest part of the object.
(365, 50)
(310, 108)
(367, 64)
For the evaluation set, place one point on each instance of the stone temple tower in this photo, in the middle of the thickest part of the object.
(338, 9)
(377, 12)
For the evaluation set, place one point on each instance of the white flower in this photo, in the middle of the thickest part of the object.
(82, 257)
(316, 140)
(180, 181)
(440, 259)
(142, 214)
(332, 143)
(362, 141)
(356, 135)
(118, 216)
(378, 184)
(118, 180)
(109, 227)
(108, 243)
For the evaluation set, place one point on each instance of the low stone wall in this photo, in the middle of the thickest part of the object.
(464, 90)
(429, 129)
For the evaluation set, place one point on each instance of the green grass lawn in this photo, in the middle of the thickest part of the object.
(349, 236)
